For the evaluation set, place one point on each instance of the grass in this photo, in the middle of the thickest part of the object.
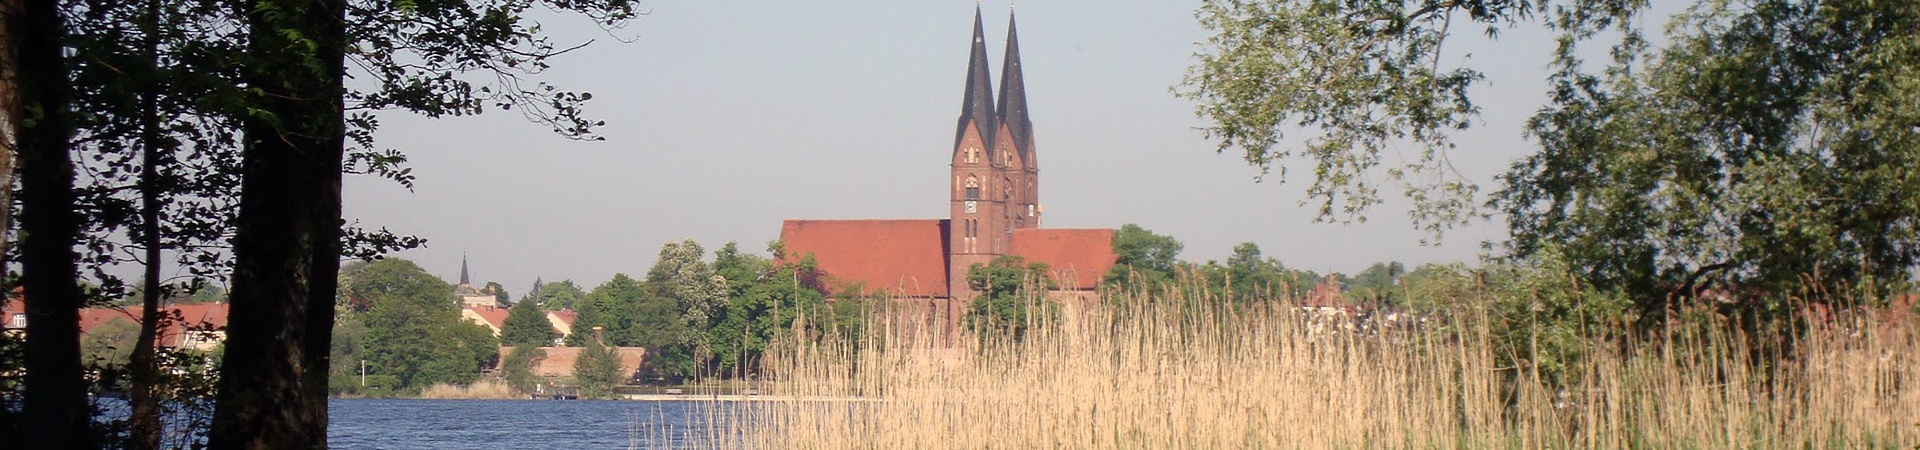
(484, 389)
(1183, 374)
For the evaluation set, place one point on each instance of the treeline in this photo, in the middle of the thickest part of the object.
(402, 325)
(695, 316)
(698, 316)
(1150, 262)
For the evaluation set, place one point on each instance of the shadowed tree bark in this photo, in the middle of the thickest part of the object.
(55, 400)
(287, 243)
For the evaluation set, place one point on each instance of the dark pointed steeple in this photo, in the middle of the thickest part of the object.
(1013, 96)
(463, 270)
(978, 106)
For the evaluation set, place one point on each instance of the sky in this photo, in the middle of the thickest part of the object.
(724, 118)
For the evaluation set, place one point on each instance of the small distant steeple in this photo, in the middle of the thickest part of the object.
(463, 270)
(978, 105)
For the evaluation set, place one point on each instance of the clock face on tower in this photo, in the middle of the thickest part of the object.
(970, 207)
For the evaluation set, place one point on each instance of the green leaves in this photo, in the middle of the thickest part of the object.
(1753, 155)
(1142, 257)
(527, 324)
(1010, 290)
(413, 331)
(1355, 77)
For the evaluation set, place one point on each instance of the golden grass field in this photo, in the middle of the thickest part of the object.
(1190, 377)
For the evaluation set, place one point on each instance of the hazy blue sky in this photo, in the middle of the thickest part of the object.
(725, 117)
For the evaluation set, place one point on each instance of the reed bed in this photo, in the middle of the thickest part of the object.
(1176, 375)
(484, 389)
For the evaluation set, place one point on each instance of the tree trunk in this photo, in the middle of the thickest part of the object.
(286, 245)
(9, 116)
(144, 398)
(56, 397)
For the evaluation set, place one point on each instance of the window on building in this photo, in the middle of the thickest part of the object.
(19, 320)
(973, 188)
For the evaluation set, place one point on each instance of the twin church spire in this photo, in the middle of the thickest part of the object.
(996, 180)
(978, 107)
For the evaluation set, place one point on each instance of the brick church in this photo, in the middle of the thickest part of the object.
(994, 209)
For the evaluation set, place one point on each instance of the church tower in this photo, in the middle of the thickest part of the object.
(1016, 135)
(979, 227)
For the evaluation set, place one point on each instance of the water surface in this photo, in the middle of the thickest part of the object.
(370, 424)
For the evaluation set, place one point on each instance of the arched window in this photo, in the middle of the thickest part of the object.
(973, 188)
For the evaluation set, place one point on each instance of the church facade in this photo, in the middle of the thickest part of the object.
(993, 202)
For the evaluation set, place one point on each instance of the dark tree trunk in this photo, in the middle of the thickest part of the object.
(56, 397)
(143, 400)
(144, 419)
(286, 245)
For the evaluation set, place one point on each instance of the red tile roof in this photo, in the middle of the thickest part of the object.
(901, 257)
(1079, 257)
(495, 317)
(193, 316)
(566, 316)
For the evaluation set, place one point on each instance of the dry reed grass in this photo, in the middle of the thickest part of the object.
(1188, 376)
(485, 389)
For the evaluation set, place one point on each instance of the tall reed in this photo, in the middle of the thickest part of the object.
(1174, 372)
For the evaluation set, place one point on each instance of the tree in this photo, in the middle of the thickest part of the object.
(287, 242)
(347, 354)
(560, 295)
(286, 245)
(527, 324)
(517, 368)
(1764, 152)
(1009, 289)
(682, 275)
(1248, 276)
(1380, 283)
(55, 399)
(765, 303)
(1142, 257)
(110, 344)
(597, 370)
(615, 307)
(500, 296)
(414, 333)
(207, 293)
(1762, 145)
(1357, 77)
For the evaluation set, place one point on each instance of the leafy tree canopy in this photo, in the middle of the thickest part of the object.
(561, 294)
(1766, 149)
(527, 324)
(1010, 289)
(1143, 257)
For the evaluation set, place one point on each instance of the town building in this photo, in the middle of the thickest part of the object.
(994, 209)
(469, 296)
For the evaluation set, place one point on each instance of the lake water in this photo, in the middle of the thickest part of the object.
(370, 424)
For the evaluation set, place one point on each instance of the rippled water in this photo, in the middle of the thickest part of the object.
(365, 424)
